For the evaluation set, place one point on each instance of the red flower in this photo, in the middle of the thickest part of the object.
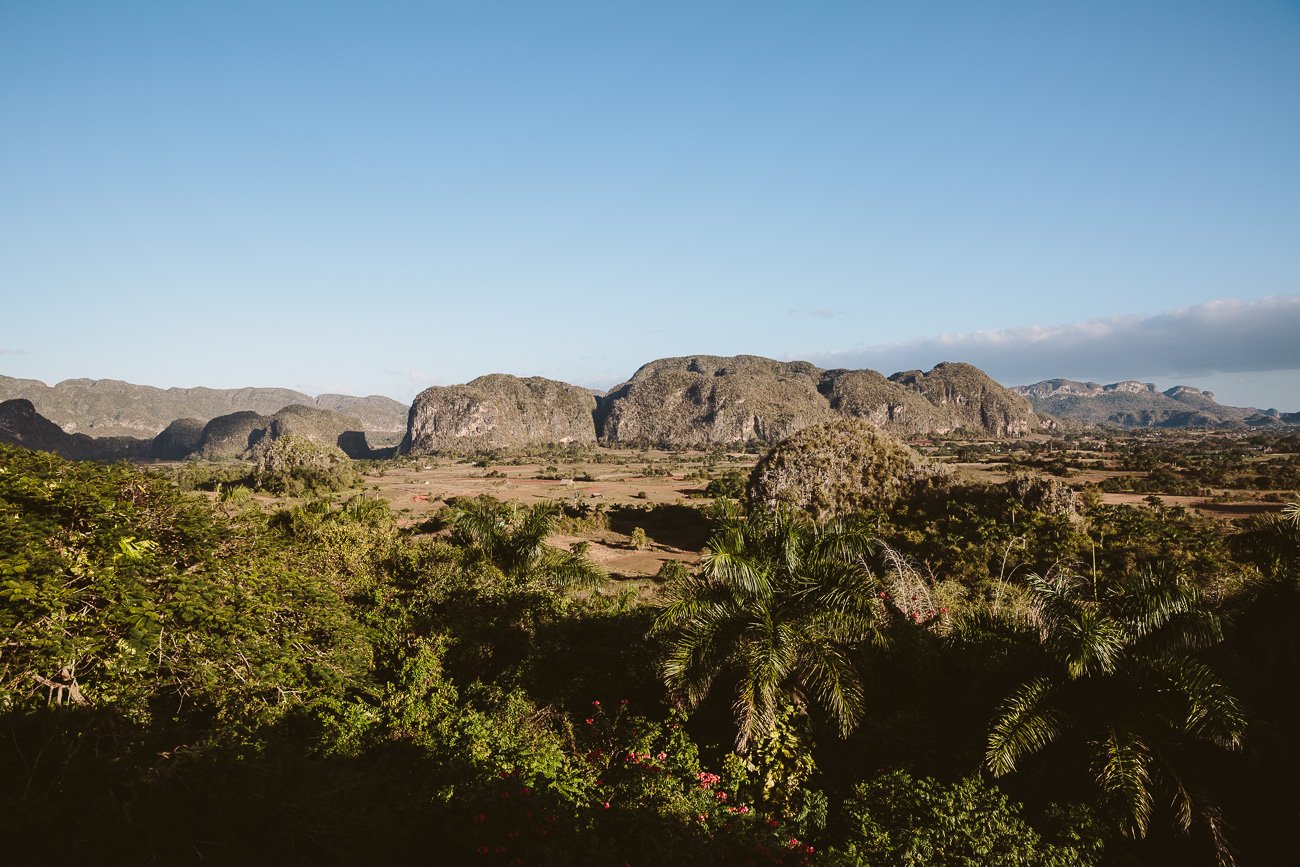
(607, 805)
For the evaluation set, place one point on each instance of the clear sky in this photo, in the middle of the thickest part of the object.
(371, 197)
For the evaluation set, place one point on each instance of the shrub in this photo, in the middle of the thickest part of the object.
(296, 466)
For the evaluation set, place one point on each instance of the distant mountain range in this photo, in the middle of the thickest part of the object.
(1132, 404)
(692, 401)
(109, 407)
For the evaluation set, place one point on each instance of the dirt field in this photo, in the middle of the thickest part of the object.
(624, 483)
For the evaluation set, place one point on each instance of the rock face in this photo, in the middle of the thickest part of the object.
(109, 407)
(869, 396)
(976, 401)
(233, 435)
(180, 440)
(706, 400)
(22, 425)
(238, 434)
(840, 467)
(499, 411)
(1132, 404)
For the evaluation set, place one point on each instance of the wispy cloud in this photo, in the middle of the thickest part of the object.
(415, 376)
(4, 351)
(1227, 336)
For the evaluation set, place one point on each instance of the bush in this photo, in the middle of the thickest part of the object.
(295, 466)
(896, 819)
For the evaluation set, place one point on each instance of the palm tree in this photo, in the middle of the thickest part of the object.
(1122, 675)
(774, 608)
(513, 537)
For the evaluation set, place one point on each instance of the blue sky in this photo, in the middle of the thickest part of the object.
(373, 197)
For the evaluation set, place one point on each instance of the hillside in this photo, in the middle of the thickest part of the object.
(1132, 404)
(704, 400)
(109, 407)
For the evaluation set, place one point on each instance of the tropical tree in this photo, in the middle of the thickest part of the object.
(774, 608)
(1122, 676)
(512, 537)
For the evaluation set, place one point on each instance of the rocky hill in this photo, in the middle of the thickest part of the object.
(499, 411)
(108, 407)
(238, 434)
(977, 402)
(706, 400)
(840, 467)
(1132, 404)
(21, 424)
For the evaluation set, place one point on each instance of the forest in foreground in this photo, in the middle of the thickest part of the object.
(946, 673)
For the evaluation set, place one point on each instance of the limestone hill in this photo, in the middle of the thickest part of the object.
(499, 411)
(840, 467)
(108, 407)
(1132, 404)
(706, 400)
(238, 434)
(976, 401)
(21, 424)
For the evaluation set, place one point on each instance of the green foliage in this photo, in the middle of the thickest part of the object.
(295, 466)
(1123, 675)
(774, 608)
(900, 820)
(318, 683)
(512, 538)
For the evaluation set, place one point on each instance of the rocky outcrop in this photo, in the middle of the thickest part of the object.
(22, 425)
(869, 396)
(238, 434)
(109, 407)
(179, 440)
(977, 403)
(1133, 404)
(232, 436)
(840, 467)
(499, 411)
(706, 400)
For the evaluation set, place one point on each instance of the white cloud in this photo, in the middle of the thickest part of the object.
(1227, 336)
(4, 351)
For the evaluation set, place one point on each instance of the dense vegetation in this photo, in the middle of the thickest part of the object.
(980, 674)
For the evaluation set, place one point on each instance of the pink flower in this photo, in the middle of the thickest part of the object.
(590, 720)
(596, 703)
(661, 756)
(606, 805)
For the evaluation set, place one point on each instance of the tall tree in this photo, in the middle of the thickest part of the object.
(1121, 674)
(773, 610)
(512, 537)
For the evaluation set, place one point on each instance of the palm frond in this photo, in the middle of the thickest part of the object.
(1211, 712)
(1124, 773)
(1027, 722)
(1091, 643)
(567, 570)
(836, 683)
